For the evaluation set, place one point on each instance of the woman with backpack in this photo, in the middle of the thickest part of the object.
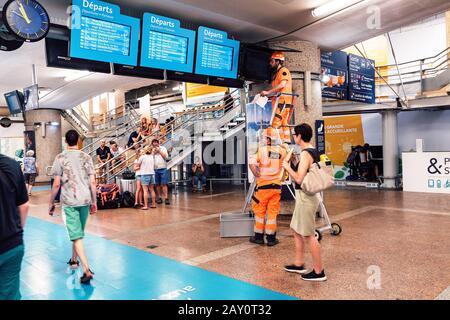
(303, 218)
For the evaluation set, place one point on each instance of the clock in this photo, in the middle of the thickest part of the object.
(26, 19)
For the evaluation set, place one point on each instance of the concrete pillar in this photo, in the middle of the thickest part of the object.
(48, 142)
(390, 148)
(300, 62)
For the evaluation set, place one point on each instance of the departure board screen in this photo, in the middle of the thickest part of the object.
(165, 45)
(105, 37)
(101, 33)
(217, 57)
(216, 54)
(168, 48)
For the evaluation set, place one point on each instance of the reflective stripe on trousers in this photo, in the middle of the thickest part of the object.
(281, 119)
(266, 210)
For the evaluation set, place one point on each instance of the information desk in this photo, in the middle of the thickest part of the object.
(426, 172)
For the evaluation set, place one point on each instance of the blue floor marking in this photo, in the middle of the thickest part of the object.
(121, 272)
(41, 188)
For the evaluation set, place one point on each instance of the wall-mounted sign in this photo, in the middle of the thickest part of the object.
(334, 73)
(101, 33)
(165, 45)
(426, 172)
(320, 136)
(361, 79)
(31, 98)
(216, 54)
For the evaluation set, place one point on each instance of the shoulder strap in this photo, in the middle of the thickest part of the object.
(312, 153)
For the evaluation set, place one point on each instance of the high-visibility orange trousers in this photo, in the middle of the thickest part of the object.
(281, 121)
(266, 206)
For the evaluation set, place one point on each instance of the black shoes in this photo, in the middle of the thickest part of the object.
(73, 264)
(313, 276)
(272, 240)
(159, 201)
(167, 202)
(296, 269)
(258, 238)
(85, 279)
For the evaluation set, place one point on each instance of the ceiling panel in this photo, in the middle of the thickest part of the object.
(246, 20)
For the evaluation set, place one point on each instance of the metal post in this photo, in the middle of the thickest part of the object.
(421, 77)
(34, 74)
(390, 149)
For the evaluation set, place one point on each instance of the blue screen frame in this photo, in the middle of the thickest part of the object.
(167, 26)
(107, 12)
(220, 38)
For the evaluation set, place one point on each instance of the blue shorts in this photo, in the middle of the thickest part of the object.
(148, 179)
(161, 176)
(138, 178)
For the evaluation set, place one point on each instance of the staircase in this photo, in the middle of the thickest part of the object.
(229, 129)
(183, 135)
(78, 120)
(416, 78)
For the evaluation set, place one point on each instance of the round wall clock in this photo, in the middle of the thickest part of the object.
(26, 19)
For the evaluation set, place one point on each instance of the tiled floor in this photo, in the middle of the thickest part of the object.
(394, 245)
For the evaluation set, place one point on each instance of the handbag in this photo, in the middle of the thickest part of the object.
(318, 178)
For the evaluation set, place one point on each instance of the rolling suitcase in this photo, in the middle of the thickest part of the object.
(128, 185)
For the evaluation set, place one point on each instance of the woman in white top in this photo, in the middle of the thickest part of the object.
(138, 202)
(147, 172)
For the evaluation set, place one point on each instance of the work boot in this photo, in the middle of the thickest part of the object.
(272, 240)
(258, 238)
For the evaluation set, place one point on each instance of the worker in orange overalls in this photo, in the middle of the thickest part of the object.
(267, 167)
(281, 83)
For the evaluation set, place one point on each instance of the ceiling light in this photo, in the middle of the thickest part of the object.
(77, 75)
(332, 7)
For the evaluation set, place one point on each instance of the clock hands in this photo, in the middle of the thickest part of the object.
(24, 13)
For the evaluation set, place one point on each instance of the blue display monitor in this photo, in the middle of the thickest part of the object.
(14, 101)
(165, 45)
(101, 33)
(216, 54)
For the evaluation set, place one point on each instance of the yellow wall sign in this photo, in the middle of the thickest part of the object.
(341, 133)
(196, 90)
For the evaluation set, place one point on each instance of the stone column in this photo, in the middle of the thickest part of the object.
(390, 148)
(307, 60)
(50, 145)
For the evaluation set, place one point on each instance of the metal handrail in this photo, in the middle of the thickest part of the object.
(156, 133)
(107, 133)
(445, 51)
(140, 147)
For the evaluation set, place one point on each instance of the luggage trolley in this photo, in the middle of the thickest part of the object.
(334, 228)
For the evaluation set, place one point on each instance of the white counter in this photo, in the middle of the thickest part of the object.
(426, 172)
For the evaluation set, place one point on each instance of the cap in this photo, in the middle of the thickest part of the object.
(278, 56)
